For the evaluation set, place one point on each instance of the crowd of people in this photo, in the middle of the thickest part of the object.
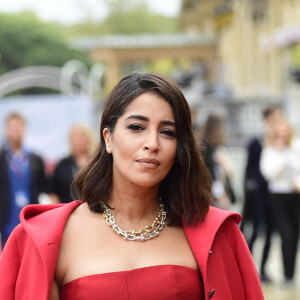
(271, 185)
(272, 190)
(23, 178)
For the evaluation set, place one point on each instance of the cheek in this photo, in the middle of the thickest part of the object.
(172, 151)
(119, 144)
(123, 147)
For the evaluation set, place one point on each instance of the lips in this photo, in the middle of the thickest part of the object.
(149, 162)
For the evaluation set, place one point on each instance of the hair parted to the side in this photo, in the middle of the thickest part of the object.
(186, 190)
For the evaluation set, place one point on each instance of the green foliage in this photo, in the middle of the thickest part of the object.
(295, 55)
(25, 40)
(128, 17)
(189, 4)
(135, 17)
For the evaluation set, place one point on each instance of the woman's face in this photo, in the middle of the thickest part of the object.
(78, 142)
(282, 132)
(143, 143)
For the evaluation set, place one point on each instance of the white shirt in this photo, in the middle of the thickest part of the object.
(281, 168)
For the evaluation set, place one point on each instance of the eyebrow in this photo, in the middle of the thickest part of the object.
(143, 118)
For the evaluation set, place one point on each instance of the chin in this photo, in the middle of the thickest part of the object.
(146, 183)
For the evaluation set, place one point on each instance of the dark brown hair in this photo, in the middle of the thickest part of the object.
(269, 110)
(186, 190)
(213, 131)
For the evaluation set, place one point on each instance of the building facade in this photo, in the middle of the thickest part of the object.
(257, 41)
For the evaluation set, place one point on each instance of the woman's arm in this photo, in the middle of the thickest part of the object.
(54, 293)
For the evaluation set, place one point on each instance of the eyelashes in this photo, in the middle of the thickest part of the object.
(168, 133)
(138, 127)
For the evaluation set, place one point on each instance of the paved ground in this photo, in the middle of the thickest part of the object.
(274, 268)
(274, 291)
(274, 265)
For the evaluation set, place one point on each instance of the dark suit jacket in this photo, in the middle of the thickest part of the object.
(38, 183)
(62, 178)
(253, 173)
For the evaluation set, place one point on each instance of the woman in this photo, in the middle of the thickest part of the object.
(280, 165)
(147, 170)
(256, 210)
(217, 161)
(82, 146)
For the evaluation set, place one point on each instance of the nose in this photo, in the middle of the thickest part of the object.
(152, 142)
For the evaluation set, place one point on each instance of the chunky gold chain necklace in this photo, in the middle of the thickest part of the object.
(145, 233)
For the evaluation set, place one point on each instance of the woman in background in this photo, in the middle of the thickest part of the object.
(280, 165)
(82, 145)
(217, 161)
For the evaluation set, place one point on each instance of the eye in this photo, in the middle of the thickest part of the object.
(135, 127)
(168, 133)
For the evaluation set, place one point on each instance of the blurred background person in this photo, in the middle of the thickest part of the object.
(82, 144)
(280, 165)
(256, 210)
(212, 142)
(22, 175)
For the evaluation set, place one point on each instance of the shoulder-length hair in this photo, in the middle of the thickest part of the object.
(88, 133)
(270, 140)
(186, 190)
(213, 131)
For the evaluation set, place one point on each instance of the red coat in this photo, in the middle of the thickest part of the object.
(28, 261)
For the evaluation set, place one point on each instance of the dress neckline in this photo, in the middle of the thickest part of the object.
(109, 274)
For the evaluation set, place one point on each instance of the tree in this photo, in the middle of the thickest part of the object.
(128, 17)
(26, 40)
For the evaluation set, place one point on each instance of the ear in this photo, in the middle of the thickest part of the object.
(107, 138)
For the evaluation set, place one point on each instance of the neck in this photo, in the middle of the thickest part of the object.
(80, 158)
(134, 208)
(15, 147)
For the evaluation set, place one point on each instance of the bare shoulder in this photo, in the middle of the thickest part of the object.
(82, 213)
(77, 225)
(76, 235)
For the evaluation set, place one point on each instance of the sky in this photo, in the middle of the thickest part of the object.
(72, 11)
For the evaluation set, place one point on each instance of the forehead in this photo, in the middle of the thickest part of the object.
(276, 113)
(282, 126)
(77, 131)
(150, 105)
(15, 121)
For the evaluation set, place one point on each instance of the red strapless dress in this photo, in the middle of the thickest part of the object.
(166, 282)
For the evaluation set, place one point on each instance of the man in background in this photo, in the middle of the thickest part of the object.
(22, 175)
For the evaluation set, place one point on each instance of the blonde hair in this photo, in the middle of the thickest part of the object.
(15, 115)
(270, 140)
(88, 133)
